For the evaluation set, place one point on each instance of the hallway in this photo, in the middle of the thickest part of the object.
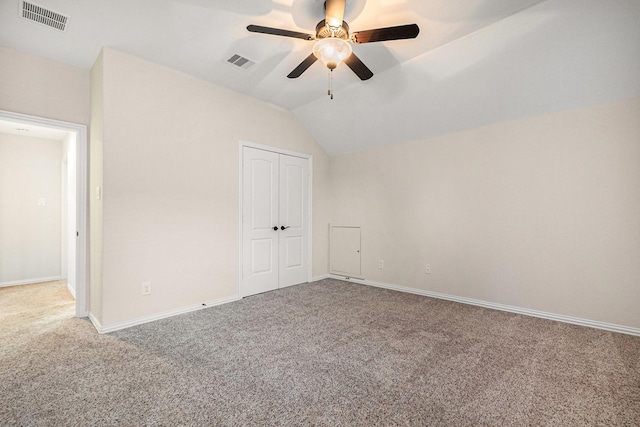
(31, 310)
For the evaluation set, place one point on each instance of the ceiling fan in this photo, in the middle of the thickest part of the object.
(332, 38)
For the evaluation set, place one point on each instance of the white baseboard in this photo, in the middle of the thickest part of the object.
(534, 313)
(139, 321)
(96, 324)
(71, 290)
(322, 277)
(31, 281)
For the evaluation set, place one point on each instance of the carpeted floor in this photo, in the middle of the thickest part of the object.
(328, 354)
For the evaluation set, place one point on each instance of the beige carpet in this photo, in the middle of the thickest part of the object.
(328, 354)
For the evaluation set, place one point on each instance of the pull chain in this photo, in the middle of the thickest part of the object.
(331, 82)
(330, 91)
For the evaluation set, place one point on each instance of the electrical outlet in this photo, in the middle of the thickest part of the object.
(146, 288)
(427, 269)
(380, 264)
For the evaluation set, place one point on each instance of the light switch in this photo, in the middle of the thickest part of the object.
(42, 201)
(98, 192)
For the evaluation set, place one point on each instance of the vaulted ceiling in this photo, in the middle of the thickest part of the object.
(475, 62)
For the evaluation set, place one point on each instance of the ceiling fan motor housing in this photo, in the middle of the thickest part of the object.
(324, 31)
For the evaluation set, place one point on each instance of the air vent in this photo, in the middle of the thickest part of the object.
(241, 62)
(39, 14)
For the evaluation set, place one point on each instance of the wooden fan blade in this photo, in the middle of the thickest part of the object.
(279, 32)
(334, 12)
(400, 32)
(358, 67)
(308, 62)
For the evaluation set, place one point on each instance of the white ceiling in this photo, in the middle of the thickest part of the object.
(475, 62)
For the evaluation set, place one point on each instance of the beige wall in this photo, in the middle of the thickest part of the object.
(170, 190)
(40, 87)
(30, 235)
(542, 214)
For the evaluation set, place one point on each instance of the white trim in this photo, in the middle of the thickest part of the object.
(511, 309)
(274, 149)
(30, 281)
(331, 227)
(82, 288)
(310, 220)
(94, 321)
(240, 225)
(141, 320)
(277, 150)
(321, 277)
(72, 292)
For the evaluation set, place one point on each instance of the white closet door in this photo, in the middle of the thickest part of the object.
(294, 187)
(275, 220)
(260, 215)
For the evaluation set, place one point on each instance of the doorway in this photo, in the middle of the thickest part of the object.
(73, 140)
(275, 210)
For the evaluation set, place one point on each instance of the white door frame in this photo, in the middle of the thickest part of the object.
(82, 288)
(309, 157)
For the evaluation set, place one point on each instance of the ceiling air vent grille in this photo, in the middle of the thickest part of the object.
(241, 61)
(39, 14)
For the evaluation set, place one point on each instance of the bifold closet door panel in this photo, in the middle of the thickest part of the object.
(260, 196)
(294, 216)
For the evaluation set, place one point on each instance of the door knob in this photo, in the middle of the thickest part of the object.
(284, 228)
(275, 228)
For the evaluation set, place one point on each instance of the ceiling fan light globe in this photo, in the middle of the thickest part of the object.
(332, 51)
